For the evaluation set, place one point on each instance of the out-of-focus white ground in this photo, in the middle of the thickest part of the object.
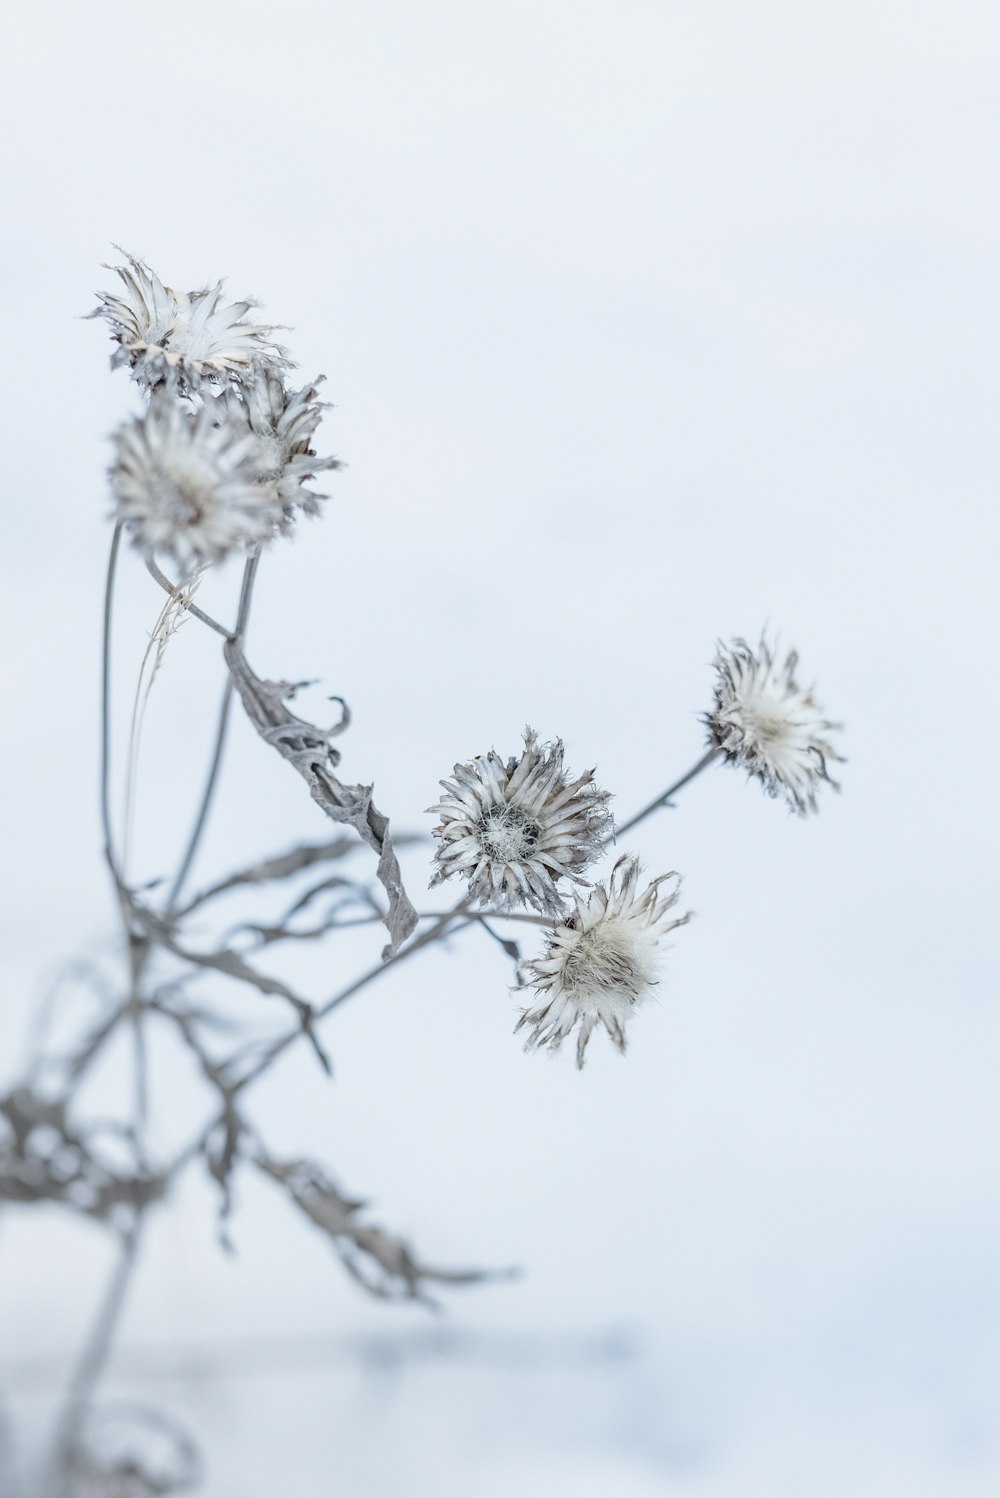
(644, 324)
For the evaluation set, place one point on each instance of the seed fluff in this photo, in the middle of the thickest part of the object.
(763, 720)
(514, 830)
(601, 963)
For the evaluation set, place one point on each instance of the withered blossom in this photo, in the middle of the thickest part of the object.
(285, 422)
(515, 829)
(601, 963)
(183, 337)
(191, 485)
(765, 722)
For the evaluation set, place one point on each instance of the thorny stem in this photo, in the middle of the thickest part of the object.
(246, 593)
(663, 799)
(95, 1354)
(243, 614)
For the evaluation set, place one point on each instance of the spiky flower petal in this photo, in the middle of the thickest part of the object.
(601, 963)
(191, 485)
(285, 422)
(763, 720)
(514, 830)
(183, 337)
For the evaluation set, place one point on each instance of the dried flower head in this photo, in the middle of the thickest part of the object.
(192, 485)
(285, 422)
(183, 336)
(764, 721)
(513, 830)
(602, 962)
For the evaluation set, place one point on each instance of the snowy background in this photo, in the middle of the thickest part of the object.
(645, 323)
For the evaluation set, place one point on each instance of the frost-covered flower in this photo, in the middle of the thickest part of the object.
(763, 720)
(192, 485)
(183, 336)
(515, 829)
(285, 422)
(601, 963)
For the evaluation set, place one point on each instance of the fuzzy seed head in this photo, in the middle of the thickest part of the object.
(763, 720)
(602, 963)
(191, 485)
(515, 830)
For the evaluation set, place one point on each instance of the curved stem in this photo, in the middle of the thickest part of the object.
(242, 617)
(663, 799)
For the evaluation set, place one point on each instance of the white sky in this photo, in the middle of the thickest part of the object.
(644, 324)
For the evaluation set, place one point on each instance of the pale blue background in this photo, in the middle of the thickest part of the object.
(645, 323)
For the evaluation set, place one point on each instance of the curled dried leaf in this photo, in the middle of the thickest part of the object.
(309, 750)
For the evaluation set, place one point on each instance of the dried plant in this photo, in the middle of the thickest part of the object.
(218, 466)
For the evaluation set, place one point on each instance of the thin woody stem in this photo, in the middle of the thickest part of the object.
(109, 588)
(243, 614)
(438, 930)
(663, 799)
(206, 799)
(95, 1353)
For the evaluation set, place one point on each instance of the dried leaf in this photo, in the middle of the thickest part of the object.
(382, 1262)
(309, 750)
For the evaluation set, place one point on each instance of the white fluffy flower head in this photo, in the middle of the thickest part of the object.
(191, 485)
(285, 423)
(514, 830)
(183, 336)
(601, 963)
(763, 720)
